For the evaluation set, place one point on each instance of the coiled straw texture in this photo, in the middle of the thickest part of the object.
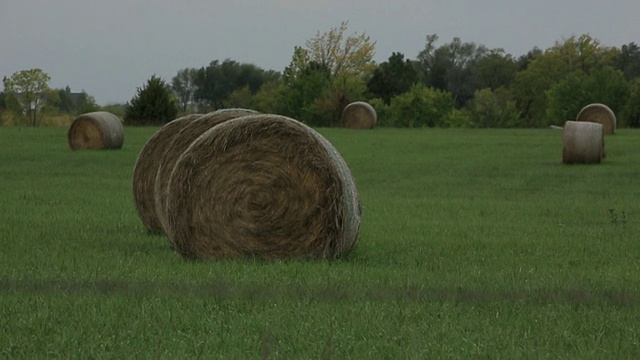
(263, 186)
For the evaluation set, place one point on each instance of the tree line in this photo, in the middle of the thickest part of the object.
(455, 84)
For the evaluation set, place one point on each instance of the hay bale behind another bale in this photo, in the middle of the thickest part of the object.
(146, 166)
(582, 142)
(95, 131)
(178, 144)
(601, 114)
(262, 186)
(359, 115)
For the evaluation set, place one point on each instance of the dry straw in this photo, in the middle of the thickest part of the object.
(582, 142)
(601, 114)
(96, 130)
(359, 115)
(263, 186)
(144, 171)
(177, 145)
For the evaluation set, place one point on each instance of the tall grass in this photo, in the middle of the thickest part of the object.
(474, 243)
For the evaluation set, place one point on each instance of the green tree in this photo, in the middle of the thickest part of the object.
(152, 105)
(241, 98)
(74, 103)
(434, 63)
(267, 99)
(523, 61)
(461, 68)
(65, 102)
(630, 115)
(328, 107)
(393, 77)
(301, 89)
(628, 60)
(493, 69)
(216, 82)
(30, 88)
(86, 103)
(13, 108)
(531, 85)
(322, 78)
(604, 85)
(184, 87)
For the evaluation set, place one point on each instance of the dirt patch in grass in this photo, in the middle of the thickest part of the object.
(225, 290)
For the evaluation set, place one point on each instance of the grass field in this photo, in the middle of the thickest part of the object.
(474, 244)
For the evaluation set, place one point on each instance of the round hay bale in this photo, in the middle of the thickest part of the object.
(96, 130)
(263, 186)
(144, 171)
(359, 115)
(582, 142)
(601, 114)
(178, 144)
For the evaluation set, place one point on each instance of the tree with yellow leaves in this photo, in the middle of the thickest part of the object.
(341, 55)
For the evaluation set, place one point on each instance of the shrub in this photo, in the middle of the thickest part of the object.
(492, 109)
(421, 106)
(382, 111)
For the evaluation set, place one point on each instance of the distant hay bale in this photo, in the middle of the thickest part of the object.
(582, 142)
(359, 115)
(601, 114)
(263, 186)
(96, 130)
(146, 166)
(177, 145)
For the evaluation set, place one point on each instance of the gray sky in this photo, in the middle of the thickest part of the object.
(110, 48)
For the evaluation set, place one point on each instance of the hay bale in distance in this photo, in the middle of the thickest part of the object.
(601, 114)
(146, 166)
(263, 186)
(177, 145)
(359, 115)
(95, 131)
(582, 142)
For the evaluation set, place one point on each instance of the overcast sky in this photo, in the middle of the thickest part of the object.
(110, 48)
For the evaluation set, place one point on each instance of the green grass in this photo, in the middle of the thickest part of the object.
(474, 243)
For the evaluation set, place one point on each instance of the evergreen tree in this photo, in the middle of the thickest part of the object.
(152, 105)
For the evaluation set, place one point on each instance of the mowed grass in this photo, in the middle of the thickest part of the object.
(474, 243)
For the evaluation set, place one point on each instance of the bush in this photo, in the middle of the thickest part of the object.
(421, 106)
(492, 109)
(457, 118)
(383, 113)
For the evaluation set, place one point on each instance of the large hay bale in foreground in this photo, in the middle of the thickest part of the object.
(95, 131)
(359, 115)
(582, 142)
(263, 186)
(601, 114)
(178, 144)
(144, 171)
